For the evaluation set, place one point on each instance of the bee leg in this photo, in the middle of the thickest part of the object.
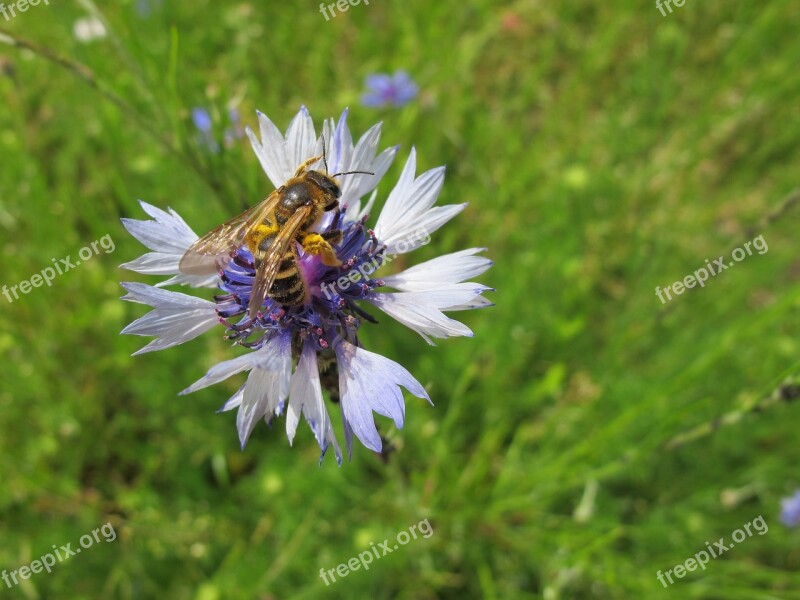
(314, 243)
(304, 167)
(333, 237)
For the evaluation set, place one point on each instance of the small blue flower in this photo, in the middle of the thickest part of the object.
(397, 90)
(790, 510)
(146, 7)
(235, 131)
(202, 120)
(294, 352)
(204, 125)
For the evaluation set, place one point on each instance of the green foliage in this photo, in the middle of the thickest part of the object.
(585, 438)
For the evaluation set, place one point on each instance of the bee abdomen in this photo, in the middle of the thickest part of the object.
(288, 287)
(287, 268)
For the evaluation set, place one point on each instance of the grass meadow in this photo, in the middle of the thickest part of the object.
(587, 437)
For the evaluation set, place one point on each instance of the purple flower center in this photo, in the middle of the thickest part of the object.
(330, 310)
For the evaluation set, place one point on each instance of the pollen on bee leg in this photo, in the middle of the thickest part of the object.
(315, 244)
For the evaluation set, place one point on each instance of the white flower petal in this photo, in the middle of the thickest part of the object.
(422, 311)
(265, 359)
(341, 146)
(344, 157)
(305, 396)
(271, 150)
(152, 263)
(176, 318)
(255, 403)
(362, 158)
(348, 437)
(195, 281)
(408, 219)
(364, 184)
(167, 233)
(424, 191)
(363, 212)
(301, 141)
(477, 302)
(440, 271)
(265, 391)
(184, 327)
(169, 237)
(234, 401)
(370, 382)
(158, 298)
(418, 233)
(366, 148)
(280, 157)
(394, 208)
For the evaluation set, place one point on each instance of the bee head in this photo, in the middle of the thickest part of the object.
(326, 183)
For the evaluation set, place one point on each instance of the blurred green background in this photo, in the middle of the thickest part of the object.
(585, 438)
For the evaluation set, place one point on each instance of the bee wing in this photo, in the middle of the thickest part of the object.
(268, 263)
(213, 251)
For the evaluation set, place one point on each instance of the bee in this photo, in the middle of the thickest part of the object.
(272, 231)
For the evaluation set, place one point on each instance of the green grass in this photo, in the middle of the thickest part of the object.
(571, 453)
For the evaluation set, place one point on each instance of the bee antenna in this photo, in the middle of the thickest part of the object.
(352, 172)
(324, 158)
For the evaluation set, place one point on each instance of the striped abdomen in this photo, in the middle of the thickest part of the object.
(288, 287)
